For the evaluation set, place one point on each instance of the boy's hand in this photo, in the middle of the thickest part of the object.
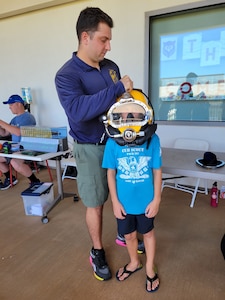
(152, 209)
(119, 211)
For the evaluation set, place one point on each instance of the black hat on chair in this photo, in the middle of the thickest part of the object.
(209, 160)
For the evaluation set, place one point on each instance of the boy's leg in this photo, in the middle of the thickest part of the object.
(134, 264)
(150, 245)
(120, 240)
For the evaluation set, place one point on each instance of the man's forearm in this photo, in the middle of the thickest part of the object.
(6, 129)
(2, 129)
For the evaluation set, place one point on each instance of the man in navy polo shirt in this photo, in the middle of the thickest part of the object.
(87, 85)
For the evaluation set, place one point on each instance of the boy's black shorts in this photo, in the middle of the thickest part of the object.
(131, 223)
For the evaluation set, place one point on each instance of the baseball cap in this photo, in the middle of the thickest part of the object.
(13, 99)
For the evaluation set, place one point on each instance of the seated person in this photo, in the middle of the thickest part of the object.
(22, 118)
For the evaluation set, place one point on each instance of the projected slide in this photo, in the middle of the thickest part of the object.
(192, 65)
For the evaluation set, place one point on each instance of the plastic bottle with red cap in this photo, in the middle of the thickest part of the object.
(214, 195)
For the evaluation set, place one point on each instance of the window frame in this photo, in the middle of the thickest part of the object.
(149, 16)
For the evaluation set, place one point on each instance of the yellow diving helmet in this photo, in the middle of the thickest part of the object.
(131, 119)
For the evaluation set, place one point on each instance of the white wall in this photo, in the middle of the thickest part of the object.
(35, 45)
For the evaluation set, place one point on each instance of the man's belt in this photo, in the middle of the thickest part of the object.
(87, 143)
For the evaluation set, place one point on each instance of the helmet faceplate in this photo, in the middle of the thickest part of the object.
(130, 119)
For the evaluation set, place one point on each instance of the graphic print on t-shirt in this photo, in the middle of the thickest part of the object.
(133, 167)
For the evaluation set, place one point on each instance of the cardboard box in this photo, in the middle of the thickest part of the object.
(38, 199)
(44, 139)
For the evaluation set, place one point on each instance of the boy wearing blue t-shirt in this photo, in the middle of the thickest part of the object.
(134, 179)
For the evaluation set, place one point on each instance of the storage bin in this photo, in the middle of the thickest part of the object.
(38, 199)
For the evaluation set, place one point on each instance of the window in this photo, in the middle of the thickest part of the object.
(186, 64)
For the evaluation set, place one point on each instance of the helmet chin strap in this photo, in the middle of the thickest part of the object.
(130, 137)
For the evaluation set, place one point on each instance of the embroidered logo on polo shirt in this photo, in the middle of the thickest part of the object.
(113, 75)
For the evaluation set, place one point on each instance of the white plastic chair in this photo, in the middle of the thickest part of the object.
(190, 144)
(67, 163)
(70, 170)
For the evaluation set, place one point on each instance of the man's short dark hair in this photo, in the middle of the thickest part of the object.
(90, 18)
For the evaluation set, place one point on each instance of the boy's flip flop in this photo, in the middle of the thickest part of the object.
(151, 280)
(125, 271)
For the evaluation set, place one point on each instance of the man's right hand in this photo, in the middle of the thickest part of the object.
(127, 82)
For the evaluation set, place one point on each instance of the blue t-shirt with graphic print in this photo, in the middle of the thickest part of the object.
(134, 172)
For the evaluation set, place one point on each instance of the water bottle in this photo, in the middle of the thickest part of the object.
(214, 195)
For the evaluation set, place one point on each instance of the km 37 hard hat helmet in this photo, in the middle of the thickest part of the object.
(130, 121)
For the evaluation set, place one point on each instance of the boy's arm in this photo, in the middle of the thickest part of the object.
(118, 209)
(153, 208)
(157, 173)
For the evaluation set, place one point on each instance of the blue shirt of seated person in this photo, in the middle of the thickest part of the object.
(22, 118)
